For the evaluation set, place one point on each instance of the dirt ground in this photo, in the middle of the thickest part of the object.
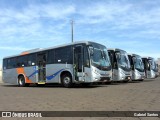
(132, 96)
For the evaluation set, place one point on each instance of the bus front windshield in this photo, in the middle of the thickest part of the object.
(138, 63)
(123, 61)
(100, 58)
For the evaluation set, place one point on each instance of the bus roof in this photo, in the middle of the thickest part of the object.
(148, 57)
(132, 54)
(43, 49)
(116, 49)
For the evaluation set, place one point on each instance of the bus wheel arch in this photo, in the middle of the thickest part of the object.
(22, 81)
(66, 79)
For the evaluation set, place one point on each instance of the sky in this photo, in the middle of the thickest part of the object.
(131, 25)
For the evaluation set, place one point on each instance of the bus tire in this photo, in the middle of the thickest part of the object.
(21, 82)
(66, 80)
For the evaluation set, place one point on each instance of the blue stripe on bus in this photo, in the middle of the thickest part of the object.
(53, 75)
(48, 77)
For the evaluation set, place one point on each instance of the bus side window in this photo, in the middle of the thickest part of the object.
(4, 64)
(64, 55)
(11, 62)
(32, 60)
(50, 57)
(8, 63)
(22, 61)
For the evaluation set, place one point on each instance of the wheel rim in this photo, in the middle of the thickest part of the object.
(67, 80)
(20, 81)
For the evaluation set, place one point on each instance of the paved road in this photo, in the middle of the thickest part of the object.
(131, 96)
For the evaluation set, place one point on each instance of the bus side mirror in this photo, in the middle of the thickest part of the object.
(91, 49)
(118, 56)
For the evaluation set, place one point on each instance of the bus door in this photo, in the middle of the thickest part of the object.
(41, 60)
(78, 63)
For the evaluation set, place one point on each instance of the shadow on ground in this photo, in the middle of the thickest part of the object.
(53, 86)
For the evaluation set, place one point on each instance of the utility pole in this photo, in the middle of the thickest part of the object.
(72, 22)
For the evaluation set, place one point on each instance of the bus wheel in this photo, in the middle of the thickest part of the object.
(21, 82)
(66, 80)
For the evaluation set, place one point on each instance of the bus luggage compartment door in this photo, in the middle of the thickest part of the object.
(41, 68)
(78, 63)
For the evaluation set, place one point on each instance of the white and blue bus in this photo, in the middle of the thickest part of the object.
(137, 67)
(150, 67)
(121, 70)
(80, 62)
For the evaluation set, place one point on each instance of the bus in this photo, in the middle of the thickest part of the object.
(121, 70)
(76, 63)
(137, 67)
(150, 67)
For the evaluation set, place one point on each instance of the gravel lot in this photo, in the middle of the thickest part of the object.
(132, 96)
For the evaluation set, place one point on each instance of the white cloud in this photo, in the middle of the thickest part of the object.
(12, 48)
(34, 12)
(102, 12)
(31, 22)
(120, 15)
(57, 12)
(126, 23)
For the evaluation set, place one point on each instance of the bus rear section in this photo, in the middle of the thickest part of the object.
(121, 70)
(77, 63)
(137, 67)
(150, 67)
(20, 70)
